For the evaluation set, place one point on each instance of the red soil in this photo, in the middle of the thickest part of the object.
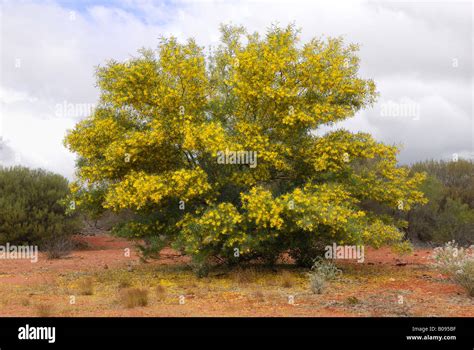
(368, 289)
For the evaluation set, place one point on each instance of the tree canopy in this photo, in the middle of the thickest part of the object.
(153, 142)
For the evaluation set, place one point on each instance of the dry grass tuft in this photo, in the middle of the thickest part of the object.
(259, 296)
(44, 310)
(25, 302)
(352, 300)
(244, 276)
(287, 279)
(86, 286)
(465, 277)
(125, 283)
(160, 292)
(133, 297)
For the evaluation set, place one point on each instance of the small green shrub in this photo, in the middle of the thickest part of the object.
(32, 207)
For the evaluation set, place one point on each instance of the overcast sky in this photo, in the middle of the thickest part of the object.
(420, 55)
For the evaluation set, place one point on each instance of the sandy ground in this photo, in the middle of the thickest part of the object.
(92, 282)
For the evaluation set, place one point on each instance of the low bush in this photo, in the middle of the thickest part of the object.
(58, 248)
(33, 208)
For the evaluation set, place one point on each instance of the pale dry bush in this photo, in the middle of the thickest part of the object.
(450, 258)
(317, 283)
(321, 272)
(465, 277)
(456, 262)
(58, 248)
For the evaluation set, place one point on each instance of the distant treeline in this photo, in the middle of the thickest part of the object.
(449, 214)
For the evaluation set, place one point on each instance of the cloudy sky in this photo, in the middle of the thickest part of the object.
(420, 55)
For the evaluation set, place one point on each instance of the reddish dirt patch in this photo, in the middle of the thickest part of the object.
(100, 252)
(372, 288)
(387, 257)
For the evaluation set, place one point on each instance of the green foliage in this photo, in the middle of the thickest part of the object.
(449, 214)
(456, 176)
(32, 209)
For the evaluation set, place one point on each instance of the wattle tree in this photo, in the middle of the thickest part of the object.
(164, 118)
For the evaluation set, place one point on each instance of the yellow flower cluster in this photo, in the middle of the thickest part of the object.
(216, 225)
(262, 208)
(326, 204)
(139, 189)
